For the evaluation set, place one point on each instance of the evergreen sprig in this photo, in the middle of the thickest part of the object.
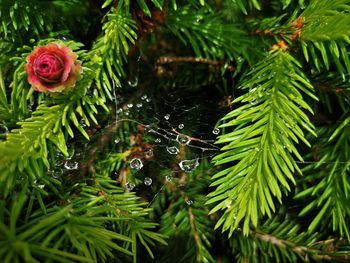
(260, 149)
(53, 211)
(325, 34)
(282, 240)
(188, 215)
(326, 185)
(111, 48)
(205, 30)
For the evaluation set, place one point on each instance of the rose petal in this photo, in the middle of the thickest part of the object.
(52, 68)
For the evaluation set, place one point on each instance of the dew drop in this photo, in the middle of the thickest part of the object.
(136, 164)
(133, 82)
(120, 110)
(228, 203)
(189, 165)
(216, 131)
(56, 173)
(139, 105)
(71, 165)
(147, 181)
(130, 186)
(172, 150)
(167, 117)
(181, 126)
(168, 178)
(41, 186)
(83, 124)
(130, 105)
(30, 107)
(183, 139)
(158, 140)
(116, 140)
(3, 129)
(189, 202)
(144, 97)
(254, 102)
(148, 100)
(62, 38)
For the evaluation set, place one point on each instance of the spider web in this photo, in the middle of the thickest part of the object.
(178, 135)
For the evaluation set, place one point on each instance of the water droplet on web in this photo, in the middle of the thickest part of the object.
(167, 117)
(116, 140)
(172, 150)
(148, 100)
(254, 101)
(136, 164)
(69, 165)
(168, 178)
(133, 82)
(189, 202)
(120, 110)
(189, 165)
(71, 152)
(216, 131)
(144, 97)
(127, 113)
(130, 105)
(147, 181)
(62, 38)
(3, 129)
(130, 186)
(30, 107)
(139, 105)
(83, 124)
(181, 126)
(56, 173)
(183, 139)
(37, 184)
(158, 140)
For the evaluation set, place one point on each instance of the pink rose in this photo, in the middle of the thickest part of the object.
(52, 68)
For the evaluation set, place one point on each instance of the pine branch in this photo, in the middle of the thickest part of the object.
(327, 182)
(325, 34)
(110, 50)
(283, 240)
(124, 207)
(77, 227)
(259, 150)
(207, 34)
(187, 215)
(26, 149)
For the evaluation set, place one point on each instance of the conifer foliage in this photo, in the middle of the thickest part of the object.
(249, 163)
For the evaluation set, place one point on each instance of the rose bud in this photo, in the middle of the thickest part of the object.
(52, 68)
